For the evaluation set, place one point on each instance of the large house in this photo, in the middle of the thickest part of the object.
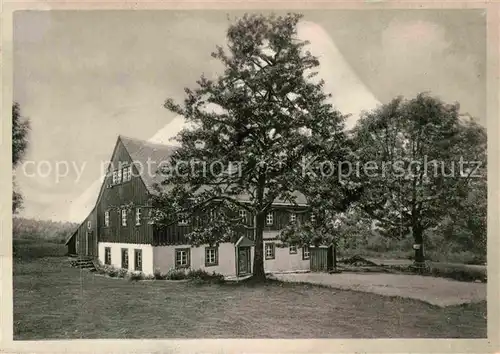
(118, 231)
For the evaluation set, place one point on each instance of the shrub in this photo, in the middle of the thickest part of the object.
(198, 273)
(100, 270)
(158, 275)
(479, 260)
(456, 272)
(175, 274)
(112, 272)
(203, 276)
(136, 276)
(459, 272)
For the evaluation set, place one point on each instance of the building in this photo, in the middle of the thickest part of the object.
(119, 232)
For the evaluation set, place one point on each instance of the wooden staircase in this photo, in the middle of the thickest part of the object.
(83, 262)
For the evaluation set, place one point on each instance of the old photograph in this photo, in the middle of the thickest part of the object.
(279, 174)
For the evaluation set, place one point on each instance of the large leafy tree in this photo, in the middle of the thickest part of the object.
(20, 128)
(418, 161)
(465, 225)
(330, 193)
(250, 131)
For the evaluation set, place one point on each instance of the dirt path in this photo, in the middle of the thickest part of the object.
(437, 291)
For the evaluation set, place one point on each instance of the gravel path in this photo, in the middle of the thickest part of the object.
(437, 291)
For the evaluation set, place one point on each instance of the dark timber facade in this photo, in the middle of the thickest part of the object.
(120, 215)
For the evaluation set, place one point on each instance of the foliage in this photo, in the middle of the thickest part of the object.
(450, 271)
(48, 230)
(158, 275)
(466, 223)
(20, 129)
(29, 249)
(17, 198)
(205, 277)
(417, 163)
(111, 271)
(136, 276)
(251, 126)
(175, 274)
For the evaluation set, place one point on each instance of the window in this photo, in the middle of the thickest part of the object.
(293, 217)
(293, 249)
(107, 255)
(127, 173)
(115, 177)
(138, 216)
(306, 253)
(211, 256)
(119, 176)
(138, 260)
(269, 219)
(243, 215)
(124, 217)
(106, 218)
(125, 258)
(182, 257)
(89, 224)
(313, 218)
(269, 250)
(183, 220)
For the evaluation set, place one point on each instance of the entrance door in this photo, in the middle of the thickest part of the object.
(87, 243)
(243, 260)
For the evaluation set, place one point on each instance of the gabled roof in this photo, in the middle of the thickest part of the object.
(76, 230)
(142, 151)
(71, 236)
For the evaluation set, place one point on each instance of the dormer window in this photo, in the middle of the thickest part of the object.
(127, 173)
(119, 176)
(115, 177)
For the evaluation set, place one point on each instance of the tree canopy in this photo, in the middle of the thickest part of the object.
(419, 160)
(250, 130)
(20, 129)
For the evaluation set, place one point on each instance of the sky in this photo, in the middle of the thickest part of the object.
(84, 77)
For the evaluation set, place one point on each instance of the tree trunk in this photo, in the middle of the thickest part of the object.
(418, 236)
(335, 257)
(258, 258)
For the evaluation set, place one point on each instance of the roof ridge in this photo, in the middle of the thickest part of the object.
(145, 142)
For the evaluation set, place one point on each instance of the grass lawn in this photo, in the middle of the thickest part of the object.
(54, 301)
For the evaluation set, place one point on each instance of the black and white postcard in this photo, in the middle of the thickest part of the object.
(254, 177)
